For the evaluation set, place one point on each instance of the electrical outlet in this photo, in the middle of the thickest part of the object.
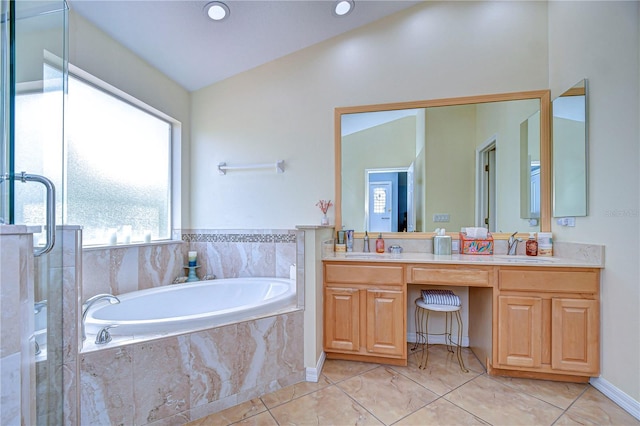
(443, 217)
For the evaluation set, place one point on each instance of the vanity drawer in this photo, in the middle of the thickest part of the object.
(364, 274)
(583, 281)
(450, 276)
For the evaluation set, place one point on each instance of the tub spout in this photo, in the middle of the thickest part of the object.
(90, 301)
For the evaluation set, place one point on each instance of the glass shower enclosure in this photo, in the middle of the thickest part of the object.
(34, 79)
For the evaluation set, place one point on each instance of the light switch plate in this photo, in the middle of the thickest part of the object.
(566, 221)
(441, 217)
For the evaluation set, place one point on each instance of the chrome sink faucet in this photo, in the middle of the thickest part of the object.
(513, 244)
(90, 301)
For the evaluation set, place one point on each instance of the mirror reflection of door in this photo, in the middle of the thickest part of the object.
(487, 186)
(389, 200)
(380, 206)
(535, 189)
(411, 206)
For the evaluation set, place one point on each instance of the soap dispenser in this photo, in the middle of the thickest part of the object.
(380, 244)
(532, 245)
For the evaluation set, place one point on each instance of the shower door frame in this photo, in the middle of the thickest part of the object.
(26, 28)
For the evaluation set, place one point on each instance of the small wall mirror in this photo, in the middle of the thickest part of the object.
(448, 163)
(569, 143)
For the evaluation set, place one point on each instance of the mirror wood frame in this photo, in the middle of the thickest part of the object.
(543, 96)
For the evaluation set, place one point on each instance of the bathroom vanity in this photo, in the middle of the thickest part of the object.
(528, 317)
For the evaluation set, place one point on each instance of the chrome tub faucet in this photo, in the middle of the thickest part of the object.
(90, 301)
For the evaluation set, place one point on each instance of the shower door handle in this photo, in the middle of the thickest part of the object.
(50, 225)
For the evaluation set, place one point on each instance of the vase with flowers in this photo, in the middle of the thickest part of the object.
(324, 207)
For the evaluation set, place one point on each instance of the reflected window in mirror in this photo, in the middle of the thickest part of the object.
(461, 161)
(570, 152)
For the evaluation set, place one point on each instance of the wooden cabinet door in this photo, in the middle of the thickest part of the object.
(520, 331)
(342, 319)
(386, 323)
(575, 335)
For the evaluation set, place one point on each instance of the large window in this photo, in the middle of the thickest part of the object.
(118, 171)
(115, 162)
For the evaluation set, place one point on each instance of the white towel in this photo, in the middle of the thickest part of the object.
(440, 297)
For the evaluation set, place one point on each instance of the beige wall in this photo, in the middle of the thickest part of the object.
(284, 109)
(95, 52)
(450, 166)
(599, 41)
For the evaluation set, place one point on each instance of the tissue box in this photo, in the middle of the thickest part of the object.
(473, 246)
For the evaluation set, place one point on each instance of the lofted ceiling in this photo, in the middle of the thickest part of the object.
(177, 38)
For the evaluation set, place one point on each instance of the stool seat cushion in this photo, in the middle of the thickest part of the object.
(435, 307)
(440, 297)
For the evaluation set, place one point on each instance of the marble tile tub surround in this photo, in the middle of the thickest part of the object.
(246, 253)
(182, 378)
(118, 270)
(223, 253)
(135, 384)
(249, 253)
(17, 379)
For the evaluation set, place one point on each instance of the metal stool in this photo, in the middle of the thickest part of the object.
(422, 320)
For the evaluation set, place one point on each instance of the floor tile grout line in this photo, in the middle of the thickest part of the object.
(478, 374)
(496, 380)
(297, 397)
(462, 408)
(356, 401)
(334, 384)
(572, 403)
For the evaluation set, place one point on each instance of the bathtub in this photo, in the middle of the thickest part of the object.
(191, 306)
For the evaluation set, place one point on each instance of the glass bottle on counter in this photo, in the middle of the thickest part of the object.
(532, 245)
(380, 244)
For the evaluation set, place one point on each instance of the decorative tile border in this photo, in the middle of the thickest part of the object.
(240, 238)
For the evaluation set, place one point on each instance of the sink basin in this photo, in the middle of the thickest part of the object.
(523, 259)
(366, 255)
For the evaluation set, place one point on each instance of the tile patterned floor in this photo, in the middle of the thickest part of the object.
(355, 393)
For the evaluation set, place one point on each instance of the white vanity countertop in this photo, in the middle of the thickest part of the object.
(464, 259)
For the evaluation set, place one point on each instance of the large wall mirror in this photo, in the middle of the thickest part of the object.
(570, 152)
(447, 163)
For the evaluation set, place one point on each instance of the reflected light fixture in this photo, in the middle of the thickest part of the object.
(216, 10)
(343, 7)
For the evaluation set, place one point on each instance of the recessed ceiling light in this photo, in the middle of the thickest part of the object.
(343, 7)
(216, 10)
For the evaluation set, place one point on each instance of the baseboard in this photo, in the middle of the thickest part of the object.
(437, 340)
(625, 402)
(313, 374)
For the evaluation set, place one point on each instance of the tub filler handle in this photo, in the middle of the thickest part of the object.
(104, 336)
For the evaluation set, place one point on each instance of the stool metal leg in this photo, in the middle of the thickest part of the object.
(459, 348)
(425, 351)
(448, 327)
(417, 317)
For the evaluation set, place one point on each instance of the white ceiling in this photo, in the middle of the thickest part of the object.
(177, 38)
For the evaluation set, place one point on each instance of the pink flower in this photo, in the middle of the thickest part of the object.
(324, 205)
